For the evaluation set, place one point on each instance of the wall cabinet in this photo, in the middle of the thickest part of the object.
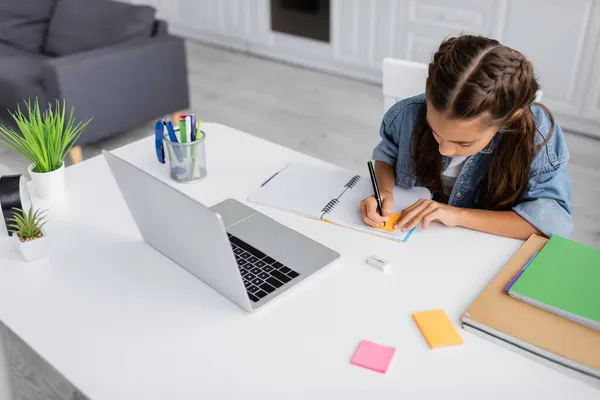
(561, 37)
(368, 31)
(561, 42)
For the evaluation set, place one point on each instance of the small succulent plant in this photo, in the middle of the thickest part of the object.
(27, 224)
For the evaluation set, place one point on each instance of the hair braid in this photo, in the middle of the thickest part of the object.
(476, 77)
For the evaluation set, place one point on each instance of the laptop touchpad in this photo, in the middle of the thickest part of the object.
(232, 211)
(285, 245)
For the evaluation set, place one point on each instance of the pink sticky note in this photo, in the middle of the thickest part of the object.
(373, 356)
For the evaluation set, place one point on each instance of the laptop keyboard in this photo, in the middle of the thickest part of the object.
(262, 274)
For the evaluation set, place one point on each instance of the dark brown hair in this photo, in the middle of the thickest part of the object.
(471, 77)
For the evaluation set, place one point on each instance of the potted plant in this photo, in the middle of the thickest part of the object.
(44, 141)
(28, 233)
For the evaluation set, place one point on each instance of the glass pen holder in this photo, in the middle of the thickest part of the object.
(187, 161)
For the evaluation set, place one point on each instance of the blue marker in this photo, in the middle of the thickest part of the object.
(171, 131)
(159, 130)
(173, 139)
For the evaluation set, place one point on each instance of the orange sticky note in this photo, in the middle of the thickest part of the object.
(437, 328)
(389, 224)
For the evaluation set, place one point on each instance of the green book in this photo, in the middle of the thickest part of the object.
(563, 279)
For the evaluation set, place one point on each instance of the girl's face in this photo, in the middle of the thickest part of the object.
(458, 137)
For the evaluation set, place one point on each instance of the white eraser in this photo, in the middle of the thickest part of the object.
(378, 262)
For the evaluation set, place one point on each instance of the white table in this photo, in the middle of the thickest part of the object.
(120, 321)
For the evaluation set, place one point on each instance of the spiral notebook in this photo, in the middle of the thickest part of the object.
(331, 194)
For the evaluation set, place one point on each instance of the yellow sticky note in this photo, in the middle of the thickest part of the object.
(437, 328)
(389, 224)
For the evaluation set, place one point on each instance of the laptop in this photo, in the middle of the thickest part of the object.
(244, 255)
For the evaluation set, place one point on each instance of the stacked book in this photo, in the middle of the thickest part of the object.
(545, 302)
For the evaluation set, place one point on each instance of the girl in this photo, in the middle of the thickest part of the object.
(493, 159)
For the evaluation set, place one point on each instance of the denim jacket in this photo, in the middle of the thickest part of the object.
(546, 203)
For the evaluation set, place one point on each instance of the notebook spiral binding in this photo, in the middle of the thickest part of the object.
(330, 206)
(352, 182)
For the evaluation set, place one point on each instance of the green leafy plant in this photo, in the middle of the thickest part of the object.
(28, 225)
(45, 138)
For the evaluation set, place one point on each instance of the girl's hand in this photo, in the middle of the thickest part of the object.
(424, 211)
(368, 209)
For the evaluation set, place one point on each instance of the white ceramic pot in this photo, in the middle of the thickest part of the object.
(33, 250)
(49, 185)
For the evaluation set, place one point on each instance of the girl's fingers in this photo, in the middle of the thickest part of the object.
(407, 210)
(428, 209)
(388, 203)
(373, 224)
(362, 210)
(415, 205)
(430, 217)
(371, 211)
(366, 219)
(410, 213)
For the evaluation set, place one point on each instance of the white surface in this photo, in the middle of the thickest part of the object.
(120, 321)
(402, 79)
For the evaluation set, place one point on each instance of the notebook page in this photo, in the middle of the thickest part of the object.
(347, 212)
(302, 189)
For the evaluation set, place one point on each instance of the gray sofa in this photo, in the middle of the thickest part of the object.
(111, 61)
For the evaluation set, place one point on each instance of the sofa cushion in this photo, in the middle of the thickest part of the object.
(7, 51)
(24, 23)
(20, 77)
(81, 25)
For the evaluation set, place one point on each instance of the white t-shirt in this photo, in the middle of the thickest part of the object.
(451, 173)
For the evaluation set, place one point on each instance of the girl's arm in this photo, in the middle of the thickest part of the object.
(386, 177)
(502, 223)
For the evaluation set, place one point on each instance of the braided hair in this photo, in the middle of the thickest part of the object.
(477, 77)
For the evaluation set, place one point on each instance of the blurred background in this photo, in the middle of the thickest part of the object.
(306, 74)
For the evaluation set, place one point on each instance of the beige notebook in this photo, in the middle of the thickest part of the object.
(499, 317)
